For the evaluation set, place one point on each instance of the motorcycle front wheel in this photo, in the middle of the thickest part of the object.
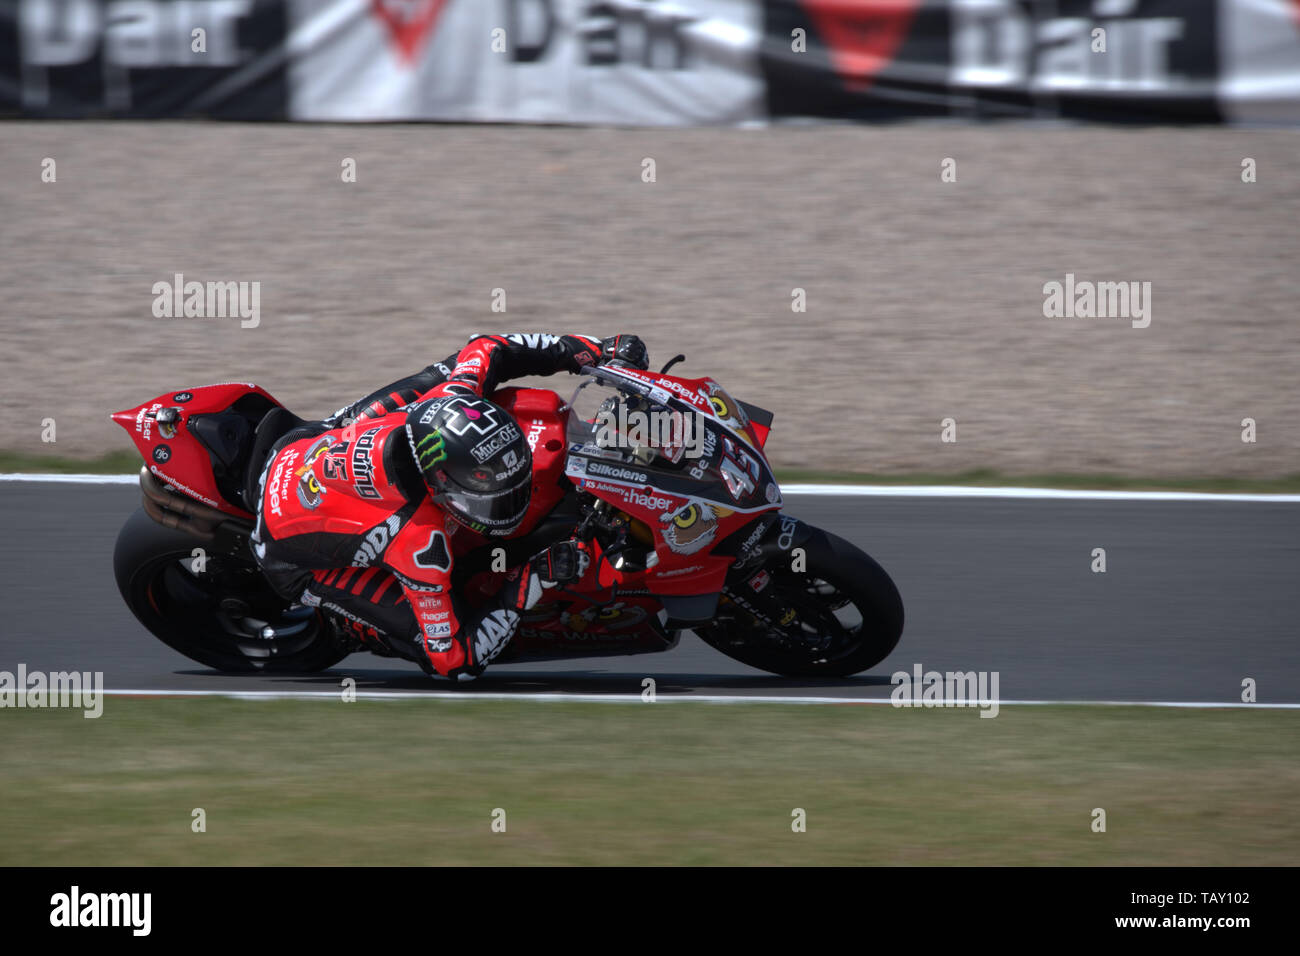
(840, 613)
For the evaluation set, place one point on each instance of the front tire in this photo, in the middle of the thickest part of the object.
(836, 576)
(180, 602)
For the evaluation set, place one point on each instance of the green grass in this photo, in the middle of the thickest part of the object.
(683, 783)
(112, 463)
(128, 463)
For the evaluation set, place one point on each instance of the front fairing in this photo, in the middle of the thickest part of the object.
(687, 500)
(722, 463)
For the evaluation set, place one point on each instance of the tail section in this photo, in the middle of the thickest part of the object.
(198, 440)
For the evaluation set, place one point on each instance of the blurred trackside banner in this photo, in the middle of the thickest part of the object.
(1106, 60)
(638, 62)
(144, 58)
(652, 62)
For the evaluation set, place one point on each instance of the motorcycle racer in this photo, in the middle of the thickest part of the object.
(363, 513)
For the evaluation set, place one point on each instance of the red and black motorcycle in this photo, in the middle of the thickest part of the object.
(679, 541)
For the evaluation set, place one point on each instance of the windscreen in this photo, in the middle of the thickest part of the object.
(681, 450)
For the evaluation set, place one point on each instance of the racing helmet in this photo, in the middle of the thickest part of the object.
(474, 459)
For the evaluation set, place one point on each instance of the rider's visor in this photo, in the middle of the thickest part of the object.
(499, 512)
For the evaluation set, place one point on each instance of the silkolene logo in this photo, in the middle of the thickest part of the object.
(615, 471)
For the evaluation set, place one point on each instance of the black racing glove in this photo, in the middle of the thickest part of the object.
(561, 563)
(624, 350)
(558, 564)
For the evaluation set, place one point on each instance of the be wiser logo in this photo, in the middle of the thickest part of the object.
(862, 36)
(409, 23)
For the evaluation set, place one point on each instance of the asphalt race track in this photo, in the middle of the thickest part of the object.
(1196, 597)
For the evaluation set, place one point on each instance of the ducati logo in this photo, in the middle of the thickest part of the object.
(409, 23)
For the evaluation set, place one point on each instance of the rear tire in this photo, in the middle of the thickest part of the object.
(836, 571)
(154, 568)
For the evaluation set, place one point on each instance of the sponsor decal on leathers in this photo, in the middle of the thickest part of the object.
(376, 541)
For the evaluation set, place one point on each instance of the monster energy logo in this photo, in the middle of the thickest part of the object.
(431, 450)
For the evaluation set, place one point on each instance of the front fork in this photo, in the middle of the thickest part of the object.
(750, 583)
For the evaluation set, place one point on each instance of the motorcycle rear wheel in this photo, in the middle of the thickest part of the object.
(179, 601)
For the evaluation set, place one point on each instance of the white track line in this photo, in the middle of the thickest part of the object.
(973, 491)
(872, 491)
(75, 479)
(469, 694)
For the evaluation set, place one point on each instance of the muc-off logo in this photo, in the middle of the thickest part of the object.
(362, 469)
(494, 443)
(478, 416)
(614, 471)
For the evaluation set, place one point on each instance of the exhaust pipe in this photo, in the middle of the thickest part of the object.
(176, 511)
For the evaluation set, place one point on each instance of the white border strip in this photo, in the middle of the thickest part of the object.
(469, 694)
(975, 491)
(74, 479)
(849, 491)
